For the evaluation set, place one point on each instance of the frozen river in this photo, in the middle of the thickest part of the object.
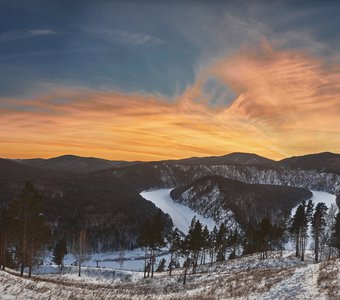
(181, 215)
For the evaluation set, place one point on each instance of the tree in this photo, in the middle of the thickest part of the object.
(327, 237)
(212, 243)
(318, 226)
(336, 233)
(121, 258)
(174, 241)
(80, 249)
(29, 230)
(3, 237)
(161, 265)
(195, 241)
(221, 242)
(59, 252)
(234, 241)
(304, 233)
(152, 238)
(206, 243)
(265, 236)
(299, 227)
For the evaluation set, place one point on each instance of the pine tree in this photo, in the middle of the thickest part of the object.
(3, 237)
(336, 233)
(212, 244)
(265, 236)
(306, 221)
(195, 241)
(29, 230)
(299, 227)
(161, 265)
(221, 242)
(152, 238)
(174, 241)
(59, 252)
(318, 226)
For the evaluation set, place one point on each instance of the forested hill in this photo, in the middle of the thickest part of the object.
(112, 211)
(71, 163)
(214, 195)
(108, 200)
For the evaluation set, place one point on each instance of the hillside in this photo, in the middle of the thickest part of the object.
(236, 158)
(325, 162)
(215, 196)
(243, 278)
(71, 163)
(110, 209)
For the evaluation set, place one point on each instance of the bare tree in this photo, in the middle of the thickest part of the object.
(80, 249)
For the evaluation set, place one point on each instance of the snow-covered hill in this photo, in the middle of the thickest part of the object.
(244, 278)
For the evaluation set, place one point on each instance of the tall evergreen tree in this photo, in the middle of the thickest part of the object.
(29, 230)
(318, 226)
(299, 227)
(336, 233)
(265, 236)
(174, 241)
(221, 242)
(59, 252)
(152, 238)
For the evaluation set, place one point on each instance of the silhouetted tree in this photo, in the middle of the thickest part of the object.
(152, 238)
(28, 229)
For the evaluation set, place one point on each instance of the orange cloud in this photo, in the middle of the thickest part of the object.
(287, 103)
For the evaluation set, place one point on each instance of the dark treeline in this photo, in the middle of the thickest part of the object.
(27, 230)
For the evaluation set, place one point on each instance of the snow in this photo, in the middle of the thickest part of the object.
(319, 197)
(133, 260)
(248, 277)
(180, 214)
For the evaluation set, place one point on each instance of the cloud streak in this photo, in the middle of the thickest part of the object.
(16, 35)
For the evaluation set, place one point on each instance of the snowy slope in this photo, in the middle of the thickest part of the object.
(181, 215)
(244, 278)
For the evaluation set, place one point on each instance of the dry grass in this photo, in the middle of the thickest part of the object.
(329, 278)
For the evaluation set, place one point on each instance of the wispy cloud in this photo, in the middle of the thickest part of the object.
(24, 34)
(130, 38)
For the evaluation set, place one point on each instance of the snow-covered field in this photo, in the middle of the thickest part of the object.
(244, 278)
(181, 215)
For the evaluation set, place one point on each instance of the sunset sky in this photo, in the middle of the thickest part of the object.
(152, 80)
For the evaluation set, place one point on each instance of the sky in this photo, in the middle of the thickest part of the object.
(152, 80)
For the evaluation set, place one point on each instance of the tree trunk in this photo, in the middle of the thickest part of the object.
(145, 258)
(187, 262)
(153, 262)
(22, 269)
(170, 265)
(79, 267)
